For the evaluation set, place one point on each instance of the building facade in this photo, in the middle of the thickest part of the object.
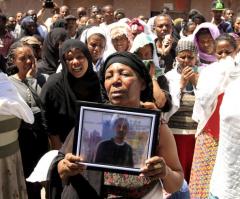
(132, 8)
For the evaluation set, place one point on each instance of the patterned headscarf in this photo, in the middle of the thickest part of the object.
(185, 44)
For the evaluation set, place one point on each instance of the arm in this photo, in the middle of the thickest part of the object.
(165, 46)
(166, 166)
(159, 95)
(173, 179)
(55, 142)
(41, 13)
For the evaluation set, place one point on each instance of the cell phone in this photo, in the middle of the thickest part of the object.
(148, 63)
(48, 4)
(195, 69)
(166, 39)
(167, 36)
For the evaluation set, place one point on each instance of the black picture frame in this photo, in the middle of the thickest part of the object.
(96, 135)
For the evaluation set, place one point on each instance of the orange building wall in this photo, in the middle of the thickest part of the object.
(133, 8)
(74, 4)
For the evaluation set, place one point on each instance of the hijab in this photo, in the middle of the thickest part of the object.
(26, 21)
(86, 88)
(92, 31)
(50, 50)
(134, 62)
(142, 40)
(213, 29)
(86, 34)
(60, 23)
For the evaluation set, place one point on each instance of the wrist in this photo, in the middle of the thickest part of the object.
(168, 171)
(154, 78)
(61, 172)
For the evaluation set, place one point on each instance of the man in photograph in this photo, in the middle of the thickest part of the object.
(116, 151)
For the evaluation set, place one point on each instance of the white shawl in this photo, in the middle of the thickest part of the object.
(11, 103)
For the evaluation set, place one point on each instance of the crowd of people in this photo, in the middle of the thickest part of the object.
(188, 68)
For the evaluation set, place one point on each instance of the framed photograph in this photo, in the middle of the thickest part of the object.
(114, 138)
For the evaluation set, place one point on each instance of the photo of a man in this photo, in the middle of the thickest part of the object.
(116, 151)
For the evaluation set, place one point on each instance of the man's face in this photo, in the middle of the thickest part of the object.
(71, 24)
(33, 14)
(217, 14)
(162, 26)
(11, 23)
(81, 12)
(108, 14)
(229, 15)
(19, 16)
(64, 11)
(121, 129)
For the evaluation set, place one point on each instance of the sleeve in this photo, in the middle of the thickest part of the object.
(163, 83)
(174, 90)
(51, 108)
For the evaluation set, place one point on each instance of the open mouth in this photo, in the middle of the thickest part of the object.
(77, 69)
(117, 93)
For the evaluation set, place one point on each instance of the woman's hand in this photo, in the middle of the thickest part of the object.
(155, 168)
(149, 105)
(32, 71)
(186, 75)
(69, 166)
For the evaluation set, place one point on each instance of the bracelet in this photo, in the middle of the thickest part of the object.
(154, 78)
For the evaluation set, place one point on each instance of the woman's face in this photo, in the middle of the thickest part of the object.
(223, 49)
(123, 85)
(121, 43)
(191, 29)
(96, 45)
(206, 43)
(24, 60)
(77, 63)
(145, 52)
(237, 25)
(186, 58)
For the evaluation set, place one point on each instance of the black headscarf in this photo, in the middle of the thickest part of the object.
(86, 88)
(61, 91)
(50, 50)
(26, 21)
(60, 23)
(134, 62)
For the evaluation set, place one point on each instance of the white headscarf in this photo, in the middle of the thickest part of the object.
(142, 40)
(11, 103)
(91, 31)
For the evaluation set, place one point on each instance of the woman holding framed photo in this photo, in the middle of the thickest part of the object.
(126, 83)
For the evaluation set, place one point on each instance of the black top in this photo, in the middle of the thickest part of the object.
(110, 153)
(61, 91)
(50, 51)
